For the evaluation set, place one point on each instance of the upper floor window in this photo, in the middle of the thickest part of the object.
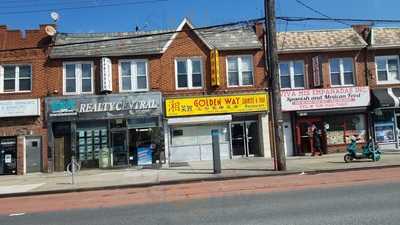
(78, 78)
(387, 69)
(240, 71)
(16, 78)
(188, 73)
(291, 74)
(341, 71)
(133, 75)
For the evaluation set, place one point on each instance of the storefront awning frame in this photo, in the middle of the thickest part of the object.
(199, 120)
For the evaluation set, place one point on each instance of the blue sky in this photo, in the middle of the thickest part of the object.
(167, 14)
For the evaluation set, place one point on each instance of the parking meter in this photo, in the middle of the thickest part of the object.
(216, 151)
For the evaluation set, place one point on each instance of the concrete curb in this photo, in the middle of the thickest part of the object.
(185, 181)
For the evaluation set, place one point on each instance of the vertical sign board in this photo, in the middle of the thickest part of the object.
(317, 72)
(215, 75)
(106, 74)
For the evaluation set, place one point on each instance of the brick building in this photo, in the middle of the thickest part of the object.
(23, 86)
(324, 86)
(384, 79)
(107, 105)
(226, 94)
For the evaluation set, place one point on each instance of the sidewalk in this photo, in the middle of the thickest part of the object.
(195, 171)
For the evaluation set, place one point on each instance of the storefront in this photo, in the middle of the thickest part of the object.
(21, 137)
(386, 117)
(241, 121)
(105, 131)
(340, 113)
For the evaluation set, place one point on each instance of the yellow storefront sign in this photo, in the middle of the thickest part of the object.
(216, 104)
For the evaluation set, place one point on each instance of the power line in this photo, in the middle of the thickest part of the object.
(300, 19)
(36, 5)
(243, 22)
(320, 13)
(81, 7)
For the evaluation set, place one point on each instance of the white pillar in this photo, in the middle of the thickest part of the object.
(23, 138)
(265, 142)
(166, 143)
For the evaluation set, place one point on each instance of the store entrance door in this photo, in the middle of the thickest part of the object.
(245, 141)
(8, 155)
(33, 154)
(118, 143)
(62, 146)
(304, 134)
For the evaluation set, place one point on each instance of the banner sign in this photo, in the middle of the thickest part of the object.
(215, 72)
(106, 74)
(317, 71)
(105, 106)
(20, 107)
(216, 104)
(309, 99)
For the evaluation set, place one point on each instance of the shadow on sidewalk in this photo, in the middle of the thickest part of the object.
(200, 171)
(355, 161)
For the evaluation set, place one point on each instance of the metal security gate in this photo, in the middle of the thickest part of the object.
(33, 154)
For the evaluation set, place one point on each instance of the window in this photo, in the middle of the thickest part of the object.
(342, 128)
(188, 73)
(240, 71)
(387, 69)
(16, 78)
(341, 70)
(291, 74)
(133, 75)
(78, 78)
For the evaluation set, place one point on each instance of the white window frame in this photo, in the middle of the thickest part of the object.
(189, 72)
(240, 71)
(17, 78)
(78, 77)
(386, 58)
(341, 73)
(134, 75)
(291, 74)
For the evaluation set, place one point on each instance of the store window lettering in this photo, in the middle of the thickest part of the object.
(117, 106)
(216, 104)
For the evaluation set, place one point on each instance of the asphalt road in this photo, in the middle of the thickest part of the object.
(367, 204)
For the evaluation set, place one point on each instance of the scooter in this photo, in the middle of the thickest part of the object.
(369, 151)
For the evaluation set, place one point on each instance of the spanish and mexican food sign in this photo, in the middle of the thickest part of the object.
(329, 98)
(216, 104)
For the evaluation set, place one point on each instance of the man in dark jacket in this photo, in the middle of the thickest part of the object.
(317, 141)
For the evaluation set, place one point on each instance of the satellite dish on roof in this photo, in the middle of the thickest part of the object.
(54, 16)
(50, 30)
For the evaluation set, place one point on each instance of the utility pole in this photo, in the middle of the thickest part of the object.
(271, 58)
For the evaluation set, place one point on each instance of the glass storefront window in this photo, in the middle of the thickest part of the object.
(355, 126)
(384, 126)
(90, 142)
(118, 123)
(342, 128)
(335, 133)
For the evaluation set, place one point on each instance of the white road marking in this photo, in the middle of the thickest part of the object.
(17, 214)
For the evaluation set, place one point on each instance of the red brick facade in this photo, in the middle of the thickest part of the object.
(162, 68)
(34, 52)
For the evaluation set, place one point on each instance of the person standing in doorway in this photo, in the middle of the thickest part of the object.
(317, 141)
